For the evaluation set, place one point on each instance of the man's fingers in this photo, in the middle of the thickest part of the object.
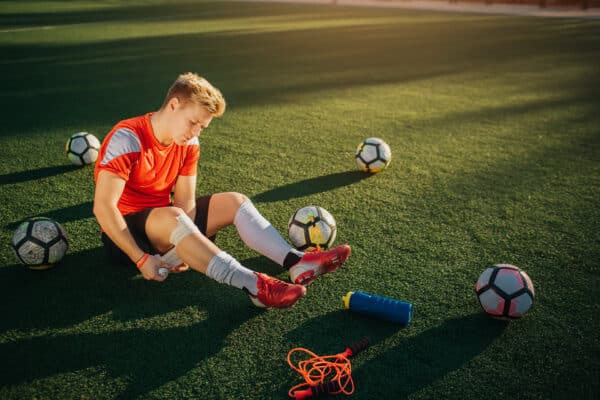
(180, 268)
(175, 268)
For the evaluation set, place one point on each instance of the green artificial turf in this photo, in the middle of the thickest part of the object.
(494, 125)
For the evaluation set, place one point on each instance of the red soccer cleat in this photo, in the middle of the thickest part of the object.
(314, 264)
(275, 293)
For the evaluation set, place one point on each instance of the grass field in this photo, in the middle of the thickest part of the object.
(494, 124)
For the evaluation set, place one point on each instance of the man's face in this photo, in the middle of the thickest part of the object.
(188, 120)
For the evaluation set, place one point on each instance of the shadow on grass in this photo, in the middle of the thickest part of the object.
(114, 319)
(421, 360)
(311, 186)
(263, 264)
(315, 334)
(398, 371)
(282, 65)
(66, 97)
(62, 215)
(34, 174)
(173, 10)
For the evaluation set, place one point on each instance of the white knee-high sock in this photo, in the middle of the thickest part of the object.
(223, 268)
(260, 235)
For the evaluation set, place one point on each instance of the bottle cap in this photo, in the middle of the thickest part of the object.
(346, 299)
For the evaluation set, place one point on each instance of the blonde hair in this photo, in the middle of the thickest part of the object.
(191, 87)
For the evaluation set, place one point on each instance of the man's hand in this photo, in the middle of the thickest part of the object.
(171, 258)
(179, 268)
(155, 269)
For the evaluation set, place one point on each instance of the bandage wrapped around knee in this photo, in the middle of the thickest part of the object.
(185, 227)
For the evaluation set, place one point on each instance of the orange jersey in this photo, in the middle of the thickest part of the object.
(131, 151)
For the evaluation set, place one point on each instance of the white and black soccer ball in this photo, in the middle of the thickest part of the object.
(312, 227)
(39, 243)
(82, 148)
(505, 291)
(373, 155)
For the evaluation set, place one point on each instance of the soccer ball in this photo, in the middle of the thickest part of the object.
(505, 291)
(312, 227)
(40, 243)
(82, 148)
(373, 155)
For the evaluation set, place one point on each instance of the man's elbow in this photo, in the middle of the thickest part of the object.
(98, 210)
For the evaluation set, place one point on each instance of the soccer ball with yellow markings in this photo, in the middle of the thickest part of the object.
(312, 227)
(373, 155)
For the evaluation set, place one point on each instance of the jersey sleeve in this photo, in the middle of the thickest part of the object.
(190, 164)
(122, 152)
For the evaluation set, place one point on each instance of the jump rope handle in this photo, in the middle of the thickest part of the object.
(356, 347)
(314, 391)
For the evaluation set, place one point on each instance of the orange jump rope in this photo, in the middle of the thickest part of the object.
(324, 374)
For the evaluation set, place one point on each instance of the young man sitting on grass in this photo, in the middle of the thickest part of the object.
(143, 159)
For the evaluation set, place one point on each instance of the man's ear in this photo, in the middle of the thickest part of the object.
(173, 104)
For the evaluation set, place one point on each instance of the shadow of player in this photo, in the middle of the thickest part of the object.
(88, 313)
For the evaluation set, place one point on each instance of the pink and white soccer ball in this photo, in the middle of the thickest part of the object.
(505, 291)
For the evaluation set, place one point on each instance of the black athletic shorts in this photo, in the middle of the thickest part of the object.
(136, 222)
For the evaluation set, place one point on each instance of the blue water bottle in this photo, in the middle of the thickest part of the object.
(392, 310)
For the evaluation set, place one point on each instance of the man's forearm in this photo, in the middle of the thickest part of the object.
(188, 206)
(113, 224)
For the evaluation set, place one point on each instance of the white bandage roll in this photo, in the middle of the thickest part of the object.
(162, 271)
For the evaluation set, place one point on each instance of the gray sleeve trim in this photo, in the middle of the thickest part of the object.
(122, 142)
